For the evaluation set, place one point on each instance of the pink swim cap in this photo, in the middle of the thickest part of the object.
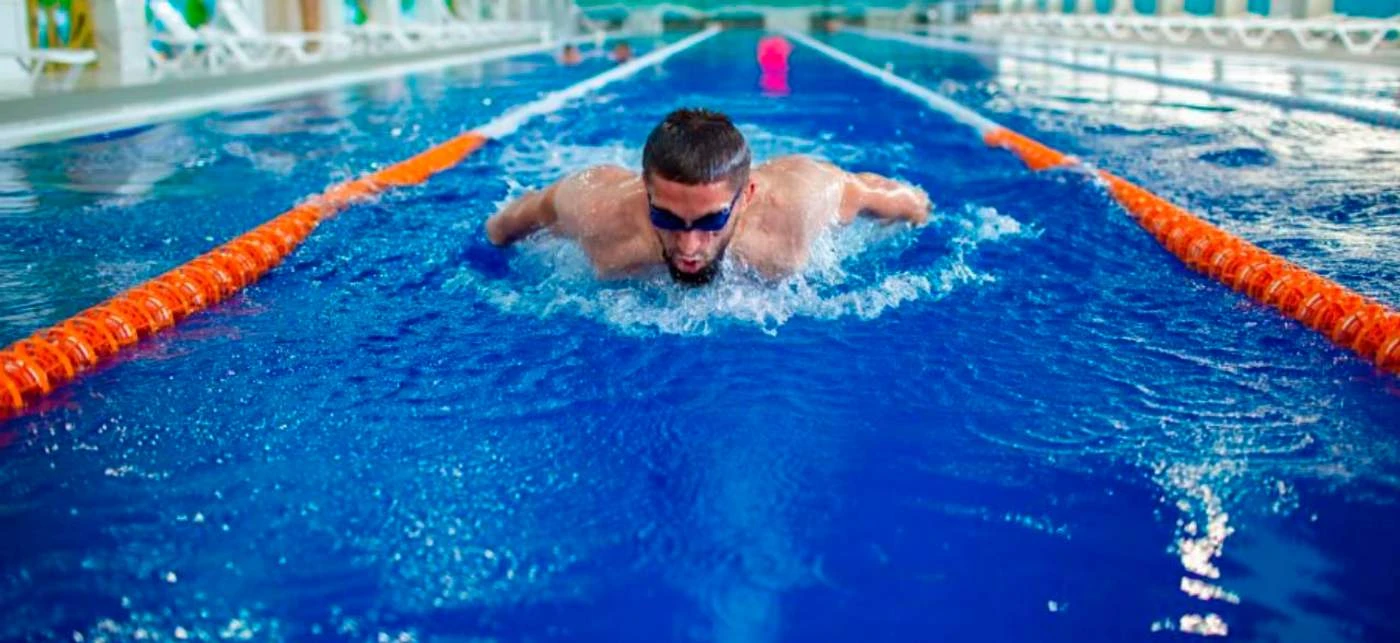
(773, 51)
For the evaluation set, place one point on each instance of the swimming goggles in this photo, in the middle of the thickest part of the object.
(712, 222)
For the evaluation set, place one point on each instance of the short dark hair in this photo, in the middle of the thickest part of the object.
(696, 147)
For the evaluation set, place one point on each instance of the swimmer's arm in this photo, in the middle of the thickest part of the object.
(882, 198)
(522, 217)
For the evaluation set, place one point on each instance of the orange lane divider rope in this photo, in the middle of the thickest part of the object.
(33, 367)
(1349, 319)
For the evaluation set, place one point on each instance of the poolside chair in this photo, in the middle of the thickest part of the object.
(450, 30)
(176, 47)
(482, 31)
(398, 35)
(376, 38)
(33, 62)
(488, 30)
(279, 47)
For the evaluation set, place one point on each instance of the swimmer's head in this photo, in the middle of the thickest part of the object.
(696, 169)
(570, 55)
(622, 52)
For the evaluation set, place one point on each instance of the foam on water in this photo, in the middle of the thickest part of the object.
(852, 272)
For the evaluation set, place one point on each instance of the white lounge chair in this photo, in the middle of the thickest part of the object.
(462, 31)
(374, 37)
(280, 47)
(33, 61)
(450, 30)
(189, 49)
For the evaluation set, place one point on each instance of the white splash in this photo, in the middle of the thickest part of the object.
(552, 277)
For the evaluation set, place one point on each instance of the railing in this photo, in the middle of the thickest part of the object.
(1356, 36)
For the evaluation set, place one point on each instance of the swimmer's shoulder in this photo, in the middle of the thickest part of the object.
(790, 163)
(780, 164)
(601, 203)
(604, 176)
(598, 186)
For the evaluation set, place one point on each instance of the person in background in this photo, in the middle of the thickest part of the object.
(622, 52)
(570, 56)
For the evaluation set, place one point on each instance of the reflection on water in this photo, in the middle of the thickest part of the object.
(1201, 534)
(17, 195)
(131, 166)
(121, 167)
(260, 136)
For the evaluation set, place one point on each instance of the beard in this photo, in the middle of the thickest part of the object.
(698, 278)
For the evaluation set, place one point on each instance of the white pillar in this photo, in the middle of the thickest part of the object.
(469, 10)
(1171, 7)
(1231, 8)
(384, 12)
(257, 11)
(333, 15)
(1300, 8)
(14, 34)
(796, 19)
(123, 39)
(279, 16)
(1317, 8)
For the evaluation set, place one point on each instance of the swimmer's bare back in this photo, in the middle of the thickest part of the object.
(794, 198)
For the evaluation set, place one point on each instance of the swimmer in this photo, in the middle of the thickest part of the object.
(622, 52)
(698, 201)
(570, 56)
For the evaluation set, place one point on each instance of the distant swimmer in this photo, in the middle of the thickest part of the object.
(621, 52)
(698, 201)
(570, 55)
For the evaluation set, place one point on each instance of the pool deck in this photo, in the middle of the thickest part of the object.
(52, 115)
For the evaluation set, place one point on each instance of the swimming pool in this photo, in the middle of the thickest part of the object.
(1025, 421)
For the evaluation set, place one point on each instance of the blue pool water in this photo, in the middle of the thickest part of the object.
(1025, 421)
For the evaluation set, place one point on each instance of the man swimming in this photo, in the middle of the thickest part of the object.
(697, 202)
